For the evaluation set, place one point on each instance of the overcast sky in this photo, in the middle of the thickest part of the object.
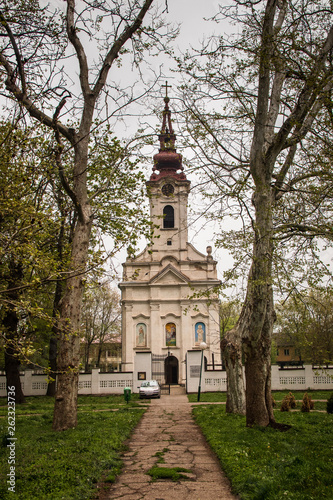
(191, 15)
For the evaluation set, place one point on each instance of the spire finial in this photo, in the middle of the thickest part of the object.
(166, 98)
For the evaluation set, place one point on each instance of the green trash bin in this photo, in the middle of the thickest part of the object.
(127, 394)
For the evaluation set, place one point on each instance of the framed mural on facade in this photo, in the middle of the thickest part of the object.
(200, 333)
(141, 375)
(170, 334)
(141, 335)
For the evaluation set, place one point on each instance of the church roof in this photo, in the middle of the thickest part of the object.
(170, 274)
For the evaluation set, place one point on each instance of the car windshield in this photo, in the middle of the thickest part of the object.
(149, 383)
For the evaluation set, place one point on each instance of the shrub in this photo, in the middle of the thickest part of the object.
(288, 402)
(273, 401)
(292, 400)
(329, 404)
(285, 405)
(307, 403)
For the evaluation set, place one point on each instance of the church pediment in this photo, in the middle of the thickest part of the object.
(169, 275)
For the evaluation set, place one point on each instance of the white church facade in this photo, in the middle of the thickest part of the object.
(166, 310)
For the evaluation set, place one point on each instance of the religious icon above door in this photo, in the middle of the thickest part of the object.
(200, 333)
(141, 335)
(170, 334)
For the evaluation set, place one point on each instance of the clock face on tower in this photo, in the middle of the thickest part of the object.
(168, 189)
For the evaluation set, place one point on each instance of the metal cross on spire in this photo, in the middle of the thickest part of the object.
(166, 88)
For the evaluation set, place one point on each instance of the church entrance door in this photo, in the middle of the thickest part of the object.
(171, 370)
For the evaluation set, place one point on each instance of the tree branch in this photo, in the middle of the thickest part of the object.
(263, 89)
(118, 44)
(305, 230)
(311, 89)
(17, 53)
(58, 154)
(76, 42)
(23, 99)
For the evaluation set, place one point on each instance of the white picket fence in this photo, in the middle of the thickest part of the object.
(35, 384)
(307, 378)
(297, 379)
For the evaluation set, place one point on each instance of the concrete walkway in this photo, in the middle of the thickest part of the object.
(168, 437)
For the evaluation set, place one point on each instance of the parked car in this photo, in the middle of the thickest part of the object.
(150, 389)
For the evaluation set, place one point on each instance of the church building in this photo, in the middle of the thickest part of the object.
(166, 310)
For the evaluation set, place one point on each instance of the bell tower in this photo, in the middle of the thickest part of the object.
(168, 189)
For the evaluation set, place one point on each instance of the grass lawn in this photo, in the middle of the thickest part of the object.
(262, 464)
(266, 464)
(221, 397)
(66, 465)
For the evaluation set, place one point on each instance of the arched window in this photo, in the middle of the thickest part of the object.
(169, 216)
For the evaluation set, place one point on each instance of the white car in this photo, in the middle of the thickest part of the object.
(150, 389)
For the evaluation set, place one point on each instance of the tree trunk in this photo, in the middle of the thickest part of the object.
(86, 357)
(257, 331)
(53, 347)
(256, 374)
(10, 322)
(12, 367)
(232, 353)
(99, 354)
(51, 387)
(65, 410)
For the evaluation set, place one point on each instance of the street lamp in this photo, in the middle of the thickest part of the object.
(168, 365)
(203, 346)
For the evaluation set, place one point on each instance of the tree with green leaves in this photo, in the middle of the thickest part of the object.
(305, 321)
(36, 45)
(28, 228)
(257, 103)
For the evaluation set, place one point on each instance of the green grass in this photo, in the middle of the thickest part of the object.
(216, 397)
(279, 395)
(67, 465)
(174, 473)
(42, 404)
(265, 464)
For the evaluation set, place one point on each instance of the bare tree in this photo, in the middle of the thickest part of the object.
(100, 318)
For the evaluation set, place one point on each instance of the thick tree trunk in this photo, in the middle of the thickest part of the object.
(232, 353)
(256, 374)
(257, 333)
(65, 410)
(259, 407)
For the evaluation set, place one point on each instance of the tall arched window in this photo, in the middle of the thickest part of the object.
(169, 216)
